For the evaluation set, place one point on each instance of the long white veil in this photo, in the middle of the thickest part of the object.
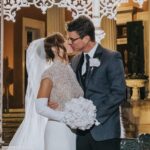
(30, 134)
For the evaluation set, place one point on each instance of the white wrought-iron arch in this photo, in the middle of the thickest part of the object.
(78, 7)
(96, 9)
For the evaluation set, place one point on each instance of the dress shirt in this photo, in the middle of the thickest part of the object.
(91, 54)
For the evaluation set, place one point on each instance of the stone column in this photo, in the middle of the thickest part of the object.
(56, 20)
(149, 51)
(145, 17)
(109, 26)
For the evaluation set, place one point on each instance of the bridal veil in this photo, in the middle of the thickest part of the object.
(30, 134)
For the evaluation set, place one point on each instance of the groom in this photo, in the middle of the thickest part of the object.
(101, 75)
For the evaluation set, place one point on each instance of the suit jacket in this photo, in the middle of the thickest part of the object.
(105, 86)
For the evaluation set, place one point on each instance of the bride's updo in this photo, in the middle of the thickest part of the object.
(55, 40)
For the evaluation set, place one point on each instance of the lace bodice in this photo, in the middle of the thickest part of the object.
(65, 85)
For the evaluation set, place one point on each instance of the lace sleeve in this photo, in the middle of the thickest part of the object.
(46, 74)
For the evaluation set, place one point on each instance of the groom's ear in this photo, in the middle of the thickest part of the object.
(86, 39)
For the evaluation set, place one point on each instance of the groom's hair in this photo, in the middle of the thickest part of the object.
(83, 26)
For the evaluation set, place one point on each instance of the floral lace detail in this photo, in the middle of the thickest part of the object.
(65, 84)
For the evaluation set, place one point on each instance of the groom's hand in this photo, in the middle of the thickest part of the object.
(52, 104)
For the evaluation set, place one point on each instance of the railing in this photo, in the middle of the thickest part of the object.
(142, 142)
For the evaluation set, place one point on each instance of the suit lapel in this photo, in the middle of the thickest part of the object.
(98, 55)
(98, 52)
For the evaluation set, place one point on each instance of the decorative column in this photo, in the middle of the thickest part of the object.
(149, 51)
(109, 26)
(55, 20)
(1, 68)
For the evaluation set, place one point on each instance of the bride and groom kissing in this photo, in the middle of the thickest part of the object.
(95, 73)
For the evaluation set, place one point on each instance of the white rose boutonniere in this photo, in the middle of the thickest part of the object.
(94, 62)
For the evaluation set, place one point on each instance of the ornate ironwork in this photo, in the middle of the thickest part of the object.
(78, 7)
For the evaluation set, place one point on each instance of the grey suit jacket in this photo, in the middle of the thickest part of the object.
(105, 86)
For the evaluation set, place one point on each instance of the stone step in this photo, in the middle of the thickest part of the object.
(18, 110)
(11, 120)
(9, 130)
(8, 135)
(11, 125)
(13, 115)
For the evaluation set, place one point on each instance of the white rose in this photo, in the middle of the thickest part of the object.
(94, 62)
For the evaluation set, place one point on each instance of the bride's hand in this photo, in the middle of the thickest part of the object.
(53, 105)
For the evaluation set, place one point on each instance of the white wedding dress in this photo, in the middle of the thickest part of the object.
(59, 136)
(37, 132)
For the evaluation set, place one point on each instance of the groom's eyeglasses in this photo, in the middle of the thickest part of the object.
(73, 40)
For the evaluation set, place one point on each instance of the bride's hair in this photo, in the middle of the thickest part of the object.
(54, 40)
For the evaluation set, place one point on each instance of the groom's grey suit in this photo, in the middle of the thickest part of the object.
(105, 86)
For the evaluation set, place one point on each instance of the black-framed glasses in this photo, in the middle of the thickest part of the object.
(72, 39)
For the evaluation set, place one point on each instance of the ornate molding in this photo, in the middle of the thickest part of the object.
(78, 7)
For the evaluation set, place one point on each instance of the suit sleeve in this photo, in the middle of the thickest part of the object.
(71, 62)
(115, 74)
(74, 62)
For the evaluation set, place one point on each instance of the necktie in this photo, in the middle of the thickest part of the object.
(87, 57)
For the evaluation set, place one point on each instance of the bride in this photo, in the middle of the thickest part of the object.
(49, 78)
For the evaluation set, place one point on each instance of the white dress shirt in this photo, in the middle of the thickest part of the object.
(91, 54)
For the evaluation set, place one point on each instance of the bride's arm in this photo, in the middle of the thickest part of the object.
(41, 102)
(45, 88)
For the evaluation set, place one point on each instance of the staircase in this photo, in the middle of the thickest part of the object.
(12, 118)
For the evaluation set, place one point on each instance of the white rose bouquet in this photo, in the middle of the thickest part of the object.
(80, 113)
